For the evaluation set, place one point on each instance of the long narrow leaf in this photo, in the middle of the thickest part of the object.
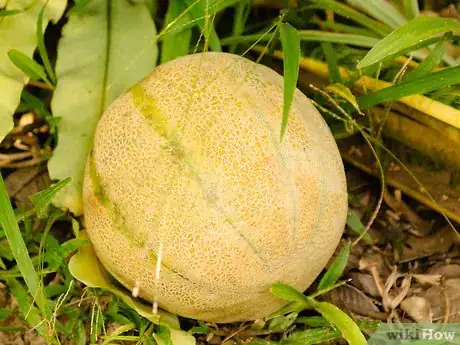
(242, 11)
(311, 35)
(382, 10)
(411, 8)
(332, 62)
(336, 269)
(100, 55)
(429, 82)
(30, 67)
(42, 200)
(41, 46)
(350, 13)
(430, 62)
(414, 32)
(18, 32)
(176, 44)
(349, 329)
(18, 247)
(199, 10)
(291, 51)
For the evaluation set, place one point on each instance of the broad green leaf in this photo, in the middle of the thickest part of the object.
(414, 32)
(434, 59)
(282, 322)
(35, 103)
(30, 67)
(383, 10)
(86, 267)
(41, 46)
(100, 55)
(336, 269)
(332, 62)
(42, 200)
(176, 337)
(176, 44)
(345, 324)
(18, 32)
(19, 249)
(312, 321)
(199, 10)
(288, 293)
(291, 53)
(426, 83)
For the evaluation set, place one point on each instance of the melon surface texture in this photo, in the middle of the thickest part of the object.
(188, 168)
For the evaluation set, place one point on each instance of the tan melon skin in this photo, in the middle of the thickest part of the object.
(191, 157)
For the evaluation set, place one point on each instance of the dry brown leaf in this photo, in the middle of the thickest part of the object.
(364, 282)
(418, 308)
(354, 300)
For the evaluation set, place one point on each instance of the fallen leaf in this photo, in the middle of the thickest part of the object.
(418, 308)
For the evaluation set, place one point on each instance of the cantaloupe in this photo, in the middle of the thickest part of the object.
(187, 167)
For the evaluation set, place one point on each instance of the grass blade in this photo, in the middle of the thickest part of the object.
(176, 44)
(431, 61)
(411, 8)
(412, 33)
(41, 46)
(332, 63)
(336, 269)
(30, 67)
(42, 200)
(19, 249)
(199, 10)
(242, 11)
(382, 10)
(349, 329)
(6, 13)
(429, 82)
(350, 13)
(288, 293)
(310, 35)
(291, 51)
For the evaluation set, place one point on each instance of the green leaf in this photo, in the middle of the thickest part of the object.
(291, 53)
(310, 35)
(313, 336)
(345, 93)
(288, 293)
(434, 59)
(5, 314)
(355, 224)
(79, 7)
(18, 32)
(19, 249)
(42, 200)
(31, 68)
(5, 13)
(282, 323)
(100, 55)
(171, 336)
(35, 103)
(332, 62)
(242, 11)
(41, 45)
(382, 10)
(26, 307)
(350, 14)
(426, 83)
(345, 324)
(414, 32)
(336, 269)
(411, 9)
(85, 267)
(199, 10)
(176, 44)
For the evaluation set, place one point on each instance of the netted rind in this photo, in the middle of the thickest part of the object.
(191, 158)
